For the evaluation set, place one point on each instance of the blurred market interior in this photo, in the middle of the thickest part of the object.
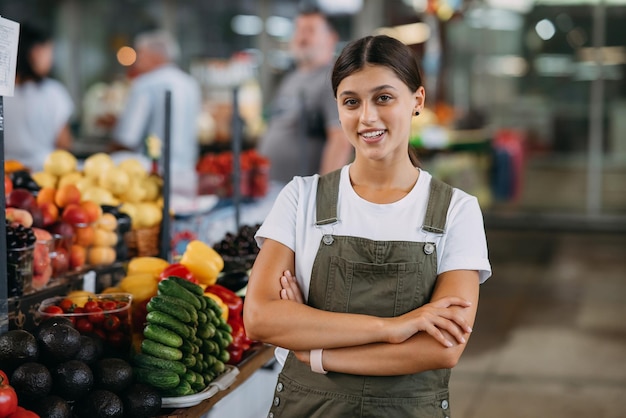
(526, 110)
(525, 96)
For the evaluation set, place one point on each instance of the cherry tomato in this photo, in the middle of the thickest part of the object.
(100, 333)
(84, 326)
(96, 315)
(67, 305)
(78, 309)
(91, 305)
(8, 400)
(53, 310)
(111, 322)
(108, 305)
(116, 338)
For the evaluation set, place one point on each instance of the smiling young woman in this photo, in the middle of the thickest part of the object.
(368, 277)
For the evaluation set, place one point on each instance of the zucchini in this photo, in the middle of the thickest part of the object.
(171, 288)
(160, 350)
(160, 379)
(157, 303)
(147, 361)
(180, 303)
(182, 389)
(192, 287)
(168, 321)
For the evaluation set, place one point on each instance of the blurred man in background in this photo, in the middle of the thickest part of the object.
(304, 136)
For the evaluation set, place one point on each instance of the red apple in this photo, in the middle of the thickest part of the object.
(60, 261)
(21, 199)
(74, 214)
(63, 230)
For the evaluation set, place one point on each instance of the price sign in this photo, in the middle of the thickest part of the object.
(9, 35)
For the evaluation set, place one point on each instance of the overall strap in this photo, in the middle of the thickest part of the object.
(437, 209)
(327, 196)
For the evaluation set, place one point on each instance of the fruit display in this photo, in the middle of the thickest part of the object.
(57, 372)
(185, 340)
(106, 315)
(239, 250)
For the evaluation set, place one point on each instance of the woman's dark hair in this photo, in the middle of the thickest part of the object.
(379, 50)
(31, 35)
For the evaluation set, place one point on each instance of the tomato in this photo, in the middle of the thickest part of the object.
(54, 310)
(91, 306)
(78, 309)
(23, 413)
(67, 305)
(96, 315)
(108, 305)
(111, 322)
(8, 400)
(4, 379)
(84, 326)
(116, 338)
(100, 333)
(177, 270)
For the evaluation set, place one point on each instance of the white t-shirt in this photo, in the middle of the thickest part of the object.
(144, 114)
(34, 116)
(292, 223)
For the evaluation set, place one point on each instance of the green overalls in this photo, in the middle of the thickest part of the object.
(380, 278)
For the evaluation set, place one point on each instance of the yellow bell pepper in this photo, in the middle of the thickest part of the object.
(203, 261)
(151, 265)
(141, 285)
(220, 303)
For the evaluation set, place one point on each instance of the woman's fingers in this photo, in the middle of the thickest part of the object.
(290, 289)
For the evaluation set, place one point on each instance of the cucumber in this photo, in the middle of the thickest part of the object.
(188, 347)
(169, 322)
(203, 318)
(160, 350)
(205, 331)
(218, 367)
(147, 361)
(210, 347)
(198, 386)
(210, 360)
(209, 376)
(225, 335)
(171, 288)
(192, 287)
(158, 304)
(162, 335)
(189, 360)
(223, 356)
(189, 377)
(193, 312)
(203, 304)
(182, 389)
(212, 304)
(160, 379)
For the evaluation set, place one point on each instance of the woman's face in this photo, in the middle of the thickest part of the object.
(375, 110)
(41, 58)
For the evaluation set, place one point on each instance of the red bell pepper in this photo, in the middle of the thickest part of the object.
(8, 399)
(177, 270)
(230, 298)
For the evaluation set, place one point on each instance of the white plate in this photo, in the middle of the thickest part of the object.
(222, 382)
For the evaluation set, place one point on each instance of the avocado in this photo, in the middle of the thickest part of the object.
(17, 347)
(72, 380)
(114, 374)
(52, 406)
(141, 401)
(31, 381)
(53, 320)
(58, 343)
(100, 403)
(90, 350)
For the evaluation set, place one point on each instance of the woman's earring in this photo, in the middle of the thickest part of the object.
(417, 113)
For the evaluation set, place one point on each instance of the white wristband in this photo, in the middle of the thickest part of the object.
(316, 361)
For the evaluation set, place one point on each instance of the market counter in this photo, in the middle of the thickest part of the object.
(257, 358)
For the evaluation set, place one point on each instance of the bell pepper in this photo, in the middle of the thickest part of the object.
(203, 261)
(8, 399)
(230, 298)
(220, 303)
(150, 265)
(177, 270)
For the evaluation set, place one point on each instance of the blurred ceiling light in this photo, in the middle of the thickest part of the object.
(545, 29)
(411, 34)
(520, 6)
(340, 6)
(278, 26)
(126, 56)
(494, 19)
(247, 25)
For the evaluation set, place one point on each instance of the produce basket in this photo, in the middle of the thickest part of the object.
(143, 242)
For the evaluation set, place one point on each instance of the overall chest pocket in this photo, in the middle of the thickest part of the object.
(383, 290)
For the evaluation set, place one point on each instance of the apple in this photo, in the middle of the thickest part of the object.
(21, 199)
(60, 261)
(74, 214)
(63, 229)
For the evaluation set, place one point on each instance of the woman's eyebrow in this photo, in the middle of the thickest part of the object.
(373, 90)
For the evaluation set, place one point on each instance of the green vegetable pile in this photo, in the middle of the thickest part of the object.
(185, 340)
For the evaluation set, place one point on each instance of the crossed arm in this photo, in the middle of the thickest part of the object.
(430, 337)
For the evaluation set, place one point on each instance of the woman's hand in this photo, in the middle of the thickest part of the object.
(290, 289)
(433, 318)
